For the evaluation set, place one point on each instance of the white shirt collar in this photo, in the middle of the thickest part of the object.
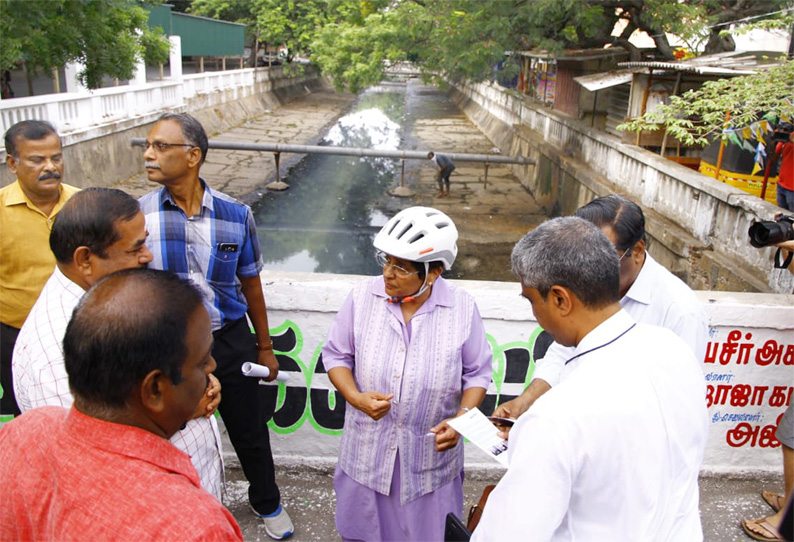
(606, 332)
(641, 290)
(66, 283)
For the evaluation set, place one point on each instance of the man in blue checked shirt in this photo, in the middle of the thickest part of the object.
(210, 238)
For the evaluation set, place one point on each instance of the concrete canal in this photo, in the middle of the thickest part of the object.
(327, 219)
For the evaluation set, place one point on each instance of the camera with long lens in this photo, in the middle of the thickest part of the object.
(767, 233)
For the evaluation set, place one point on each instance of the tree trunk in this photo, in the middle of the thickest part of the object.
(634, 53)
(29, 79)
(718, 43)
(256, 48)
(662, 45)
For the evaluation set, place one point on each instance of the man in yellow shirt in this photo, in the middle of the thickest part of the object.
(27, 209)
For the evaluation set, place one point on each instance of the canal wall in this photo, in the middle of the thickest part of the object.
(101, 155)
(747, 369)
(697, 226)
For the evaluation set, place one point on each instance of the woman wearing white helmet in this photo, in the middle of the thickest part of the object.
(408, 352)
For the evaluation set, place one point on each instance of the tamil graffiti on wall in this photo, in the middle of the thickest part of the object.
(749, 383)
(748, 369)
(308, 397)
(748, 373)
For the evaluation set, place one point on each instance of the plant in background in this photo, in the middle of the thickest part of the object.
(108, 37)
(721, 107)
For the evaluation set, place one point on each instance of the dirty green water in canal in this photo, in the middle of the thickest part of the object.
(326, 221)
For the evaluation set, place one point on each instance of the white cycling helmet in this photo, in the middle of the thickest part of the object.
(420, 234)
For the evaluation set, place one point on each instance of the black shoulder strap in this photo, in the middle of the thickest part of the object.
(786, 262)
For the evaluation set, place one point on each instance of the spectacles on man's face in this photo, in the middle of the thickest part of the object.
(624, 253)
(159, 146)
(383, 260)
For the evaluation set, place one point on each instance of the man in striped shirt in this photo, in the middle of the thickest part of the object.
(98, 232)
(210, 238)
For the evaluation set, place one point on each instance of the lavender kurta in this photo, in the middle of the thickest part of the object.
(426, 365)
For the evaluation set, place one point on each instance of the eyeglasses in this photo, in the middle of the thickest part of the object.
(624, 253)
(383, 260)
(159, 146)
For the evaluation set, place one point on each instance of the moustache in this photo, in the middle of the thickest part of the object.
(50, 175)
(151, 165)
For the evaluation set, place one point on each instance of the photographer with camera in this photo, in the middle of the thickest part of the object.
(784, 136)
(780, 234)
(767, 528)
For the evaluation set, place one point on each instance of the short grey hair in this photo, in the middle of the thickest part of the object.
(573, 253)
(192, 130)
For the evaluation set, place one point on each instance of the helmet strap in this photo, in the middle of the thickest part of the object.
(409, 298)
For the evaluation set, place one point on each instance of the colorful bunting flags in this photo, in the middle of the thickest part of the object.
(760, 155)
(757, 131)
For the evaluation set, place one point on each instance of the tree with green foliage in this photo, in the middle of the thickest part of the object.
(108, 37)
(355, 55)
(291, 23)
(464, 39)
(288, 22)
(730, 105)
(721, 107)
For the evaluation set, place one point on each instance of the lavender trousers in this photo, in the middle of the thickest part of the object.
(364, 514)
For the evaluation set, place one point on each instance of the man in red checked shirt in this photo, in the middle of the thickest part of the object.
(138, 354)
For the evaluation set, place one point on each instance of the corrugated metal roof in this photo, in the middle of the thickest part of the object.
(678, 66)
(598, 81)
(575, 54)
(727, 63)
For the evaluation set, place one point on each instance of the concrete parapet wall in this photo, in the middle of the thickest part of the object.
(219, 111)
(101, 155)
(697, 224)
(748, 368)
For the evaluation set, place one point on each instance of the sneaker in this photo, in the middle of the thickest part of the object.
(278, 525)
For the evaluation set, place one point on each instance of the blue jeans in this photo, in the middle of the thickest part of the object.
(785, 198)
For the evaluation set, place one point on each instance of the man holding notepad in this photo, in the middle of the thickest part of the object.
(612, 452)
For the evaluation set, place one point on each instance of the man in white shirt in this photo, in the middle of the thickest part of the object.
(97, 233)
(648, 292)
(612, 452)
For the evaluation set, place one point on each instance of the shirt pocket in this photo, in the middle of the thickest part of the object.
(223, 265)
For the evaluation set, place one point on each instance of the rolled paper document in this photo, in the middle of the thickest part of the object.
(260, 371)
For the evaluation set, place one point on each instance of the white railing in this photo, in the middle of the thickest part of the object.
(86, 114)
(78, 111)
(74, 113)
(203, 83)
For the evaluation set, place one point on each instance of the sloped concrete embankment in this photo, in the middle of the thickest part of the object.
(697, 226)
(103, 156)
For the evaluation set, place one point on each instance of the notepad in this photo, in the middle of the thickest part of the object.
(482, 433)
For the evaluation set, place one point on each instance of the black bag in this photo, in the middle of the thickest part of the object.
(454, 530)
